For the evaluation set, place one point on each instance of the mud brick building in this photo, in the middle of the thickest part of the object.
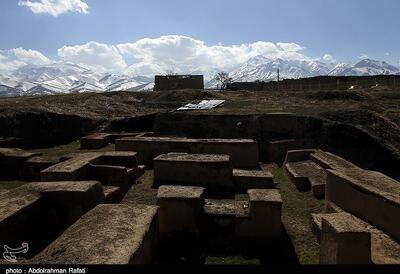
(174, 82)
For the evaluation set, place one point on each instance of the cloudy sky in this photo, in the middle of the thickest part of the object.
(151, 36)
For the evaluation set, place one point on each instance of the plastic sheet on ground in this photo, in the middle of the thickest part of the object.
(204, 104)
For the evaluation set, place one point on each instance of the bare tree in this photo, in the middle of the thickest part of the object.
(223, 79)
(170, 72)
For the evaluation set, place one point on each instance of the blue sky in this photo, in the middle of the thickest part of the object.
(343, 29)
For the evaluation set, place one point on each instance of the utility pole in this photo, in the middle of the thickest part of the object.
(277, 73)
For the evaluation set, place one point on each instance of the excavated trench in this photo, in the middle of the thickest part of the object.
(45, 129)
(30, 130)
(350, 142)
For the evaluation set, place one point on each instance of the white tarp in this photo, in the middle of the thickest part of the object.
(204, 104)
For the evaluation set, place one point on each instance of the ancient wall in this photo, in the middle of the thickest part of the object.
(350, 142)
(174, 82)
(320, 83)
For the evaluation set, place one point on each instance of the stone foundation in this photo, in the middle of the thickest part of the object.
(95, 141)
(368, 195)
(265, 216)
(243, 152)
(38, 211)
(252, 179)
(205, 170)
(384, 249)
(74, 169)
(99, 140)
(307, 169)
(33, 166)
(180, 209)
(344, 240)
(111, 168)
(277, 150)
(12, 162)
(108, 234)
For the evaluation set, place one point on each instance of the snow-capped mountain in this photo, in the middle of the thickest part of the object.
(260, 68)
(367, 67)
(264, 69)
(66, 78)
(10, 91)
(72, 78)
(339, 69)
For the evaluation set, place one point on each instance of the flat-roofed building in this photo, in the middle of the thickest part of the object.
(173, 82)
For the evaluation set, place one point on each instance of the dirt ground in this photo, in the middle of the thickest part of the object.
(377, 111)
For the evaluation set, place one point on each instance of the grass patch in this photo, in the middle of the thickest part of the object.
(58, 151)
(62, 150)
(296, 214)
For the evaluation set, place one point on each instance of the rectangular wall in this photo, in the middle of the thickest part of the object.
(377, 207)
(243, 152)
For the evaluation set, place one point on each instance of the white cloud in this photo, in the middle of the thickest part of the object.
(147, 69)
(329, 58)
(363, 56)
(151, 56)
(187, 54)
(13, 59)
(55, 7)
(94, 55)
(30, 56)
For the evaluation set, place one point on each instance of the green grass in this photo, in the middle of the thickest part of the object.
(296, 214)
(62, 150)
(59, 151)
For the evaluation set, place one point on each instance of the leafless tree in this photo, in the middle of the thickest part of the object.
(170, 72)
(223, 79)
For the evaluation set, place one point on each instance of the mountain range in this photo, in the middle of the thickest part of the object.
(264, 69)
(67, 78)
(72, 78)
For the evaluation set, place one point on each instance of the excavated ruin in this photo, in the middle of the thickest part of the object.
(209, 190)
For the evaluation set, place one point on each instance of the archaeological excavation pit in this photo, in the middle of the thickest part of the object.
(200, 188)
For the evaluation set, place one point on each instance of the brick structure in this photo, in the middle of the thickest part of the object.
(174, 82)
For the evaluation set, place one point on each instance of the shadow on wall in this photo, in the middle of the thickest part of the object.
(30, 130)
(44, 129)
(131, 124)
